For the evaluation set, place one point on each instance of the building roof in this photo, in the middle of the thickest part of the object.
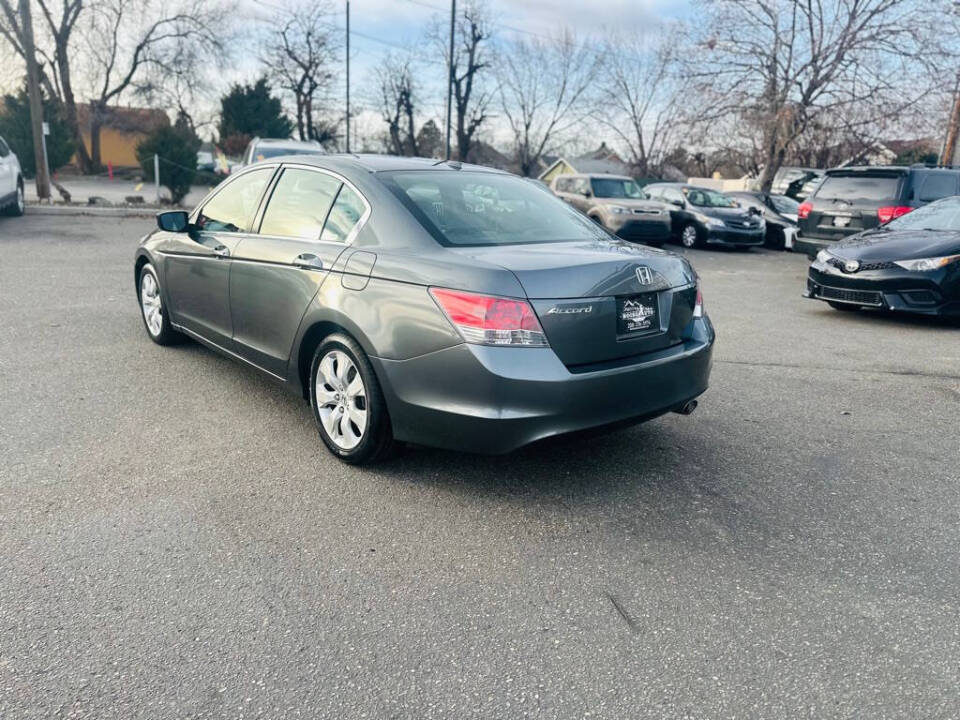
(125, 119)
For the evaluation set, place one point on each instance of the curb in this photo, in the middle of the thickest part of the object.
(93, 210)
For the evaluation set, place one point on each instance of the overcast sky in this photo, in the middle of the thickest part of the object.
(382, 26)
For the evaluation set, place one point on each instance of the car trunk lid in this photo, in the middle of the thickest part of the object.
(601, 301)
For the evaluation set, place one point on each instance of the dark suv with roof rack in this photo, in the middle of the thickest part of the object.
(853, 199)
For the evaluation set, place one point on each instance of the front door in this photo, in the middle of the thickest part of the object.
(305, 227)
(197, 264)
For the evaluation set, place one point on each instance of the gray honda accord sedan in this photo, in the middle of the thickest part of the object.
(427, 302)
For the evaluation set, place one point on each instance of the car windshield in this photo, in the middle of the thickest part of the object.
(477, 208)
(853, 188)
(616, 188)
(784, 205)
(271, 152)
(701, 197)
(940, 215)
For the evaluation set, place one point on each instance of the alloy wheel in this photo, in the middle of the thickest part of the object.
(151, 304)
(689, 236)
(341, 400)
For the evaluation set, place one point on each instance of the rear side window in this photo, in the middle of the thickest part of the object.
(232, 209)
(935, 185)
(299, 204)
(344, 216)
(859, 188)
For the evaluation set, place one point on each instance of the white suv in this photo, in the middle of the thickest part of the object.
(11, 182)
(265, 148)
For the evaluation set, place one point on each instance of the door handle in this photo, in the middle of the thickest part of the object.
(308, 261)
(221, 251)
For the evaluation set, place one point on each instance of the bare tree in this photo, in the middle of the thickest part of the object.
(470, 70)
(299, 54)
(543, 86)
(781, 66)
(119, 47)
(397, 99)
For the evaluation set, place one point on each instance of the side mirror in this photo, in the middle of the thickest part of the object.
(678, 203)
(587, 192)
(754, 210)
(173, 221)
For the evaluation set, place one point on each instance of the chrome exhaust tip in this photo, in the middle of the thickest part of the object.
(687, 408)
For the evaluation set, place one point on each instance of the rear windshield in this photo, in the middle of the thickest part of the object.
(940, 215)
(859, 188)
(465, 208)
(785, 205)
(616, 188)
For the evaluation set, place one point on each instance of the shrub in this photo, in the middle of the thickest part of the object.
(177, 147)
(16, 129)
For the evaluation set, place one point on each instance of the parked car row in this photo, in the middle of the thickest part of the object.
(691, 215)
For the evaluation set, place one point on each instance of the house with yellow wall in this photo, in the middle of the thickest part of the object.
(121, 130)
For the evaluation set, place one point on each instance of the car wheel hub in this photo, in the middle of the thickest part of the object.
(151, 304)
(689, 236)
(341, 400)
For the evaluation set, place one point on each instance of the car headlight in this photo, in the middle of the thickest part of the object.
(824, 256)
(926, 264)
(707, 220)
(617, 209)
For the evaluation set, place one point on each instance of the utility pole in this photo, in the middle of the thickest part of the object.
(950, 155)
(348, 75)
(36, 102)
(453, 20)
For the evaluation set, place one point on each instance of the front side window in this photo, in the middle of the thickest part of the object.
(702, 197)
(616, 188)
(465, 208)
(299, 204)
(344, 216)
(232, 209)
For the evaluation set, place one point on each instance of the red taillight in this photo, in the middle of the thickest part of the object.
(698, 304)
(886, 214)
(488, 320)
(803, 212)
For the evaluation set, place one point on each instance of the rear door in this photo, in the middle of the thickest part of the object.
(311, 216)
(846, 202)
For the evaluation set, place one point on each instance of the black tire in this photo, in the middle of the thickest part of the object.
(166, 335)
(19, 205)
(377, 441)
(688, 231)
(843, 307)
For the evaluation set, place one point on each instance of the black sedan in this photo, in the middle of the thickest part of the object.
(700, 216)
(779, 212)
(911, 264)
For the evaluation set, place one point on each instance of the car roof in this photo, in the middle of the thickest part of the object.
(286, 143)
(381, 163)
(868, 168)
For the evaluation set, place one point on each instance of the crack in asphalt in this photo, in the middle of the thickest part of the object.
(862, 371)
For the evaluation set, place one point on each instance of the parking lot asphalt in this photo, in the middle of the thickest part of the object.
(176, 542)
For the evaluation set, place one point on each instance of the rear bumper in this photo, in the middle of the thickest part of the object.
(657, 231)
(494, 400)
(936, 293)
